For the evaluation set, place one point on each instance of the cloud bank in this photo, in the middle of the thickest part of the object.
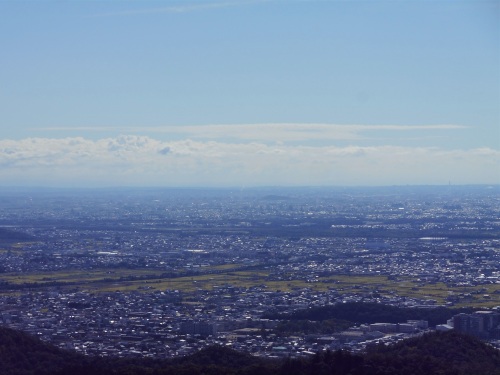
(269, 133)
(131, 160)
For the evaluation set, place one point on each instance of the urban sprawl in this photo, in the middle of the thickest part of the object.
(165, 272)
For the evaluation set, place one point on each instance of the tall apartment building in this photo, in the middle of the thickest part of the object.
(483, 324)
(198, 328)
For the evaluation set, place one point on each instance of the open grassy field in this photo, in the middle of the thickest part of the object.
(146, 280)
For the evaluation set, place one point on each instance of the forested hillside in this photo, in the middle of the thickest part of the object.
(433, 353)
(360, 312)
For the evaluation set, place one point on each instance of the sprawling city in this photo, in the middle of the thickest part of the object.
(249, 187)
(163, 273)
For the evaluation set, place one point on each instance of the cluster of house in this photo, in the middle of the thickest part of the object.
(169, 230)
(455, 262)
(160, 324)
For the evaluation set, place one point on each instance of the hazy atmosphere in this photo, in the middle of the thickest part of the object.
(249, 93)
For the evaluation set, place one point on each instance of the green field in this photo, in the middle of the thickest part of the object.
(147, 280)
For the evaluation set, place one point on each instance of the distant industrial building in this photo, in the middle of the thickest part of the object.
(410, 326)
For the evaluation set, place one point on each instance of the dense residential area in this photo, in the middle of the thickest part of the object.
(163, 273)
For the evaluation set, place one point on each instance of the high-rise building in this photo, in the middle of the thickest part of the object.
(483, 324)
(199, 328)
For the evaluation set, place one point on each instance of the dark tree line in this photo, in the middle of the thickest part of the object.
(447, 353)
(360, 312)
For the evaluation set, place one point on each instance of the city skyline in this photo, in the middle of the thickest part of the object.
(249, 93)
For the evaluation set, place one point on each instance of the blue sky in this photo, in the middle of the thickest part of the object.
(249, 93)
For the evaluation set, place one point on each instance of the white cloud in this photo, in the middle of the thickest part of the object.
(139, 160)
(270, 133)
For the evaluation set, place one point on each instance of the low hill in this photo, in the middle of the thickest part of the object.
(436, 353)
(219, 356)
(23, 354)
(446, 353)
